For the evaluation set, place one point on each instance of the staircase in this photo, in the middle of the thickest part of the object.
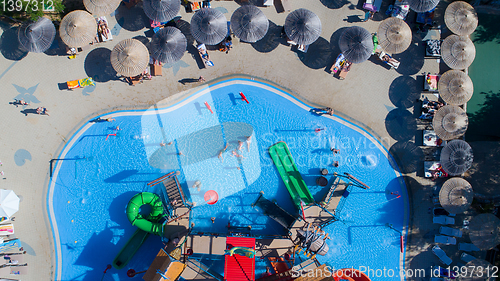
(174, 191)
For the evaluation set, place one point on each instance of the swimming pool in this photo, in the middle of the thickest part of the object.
(92, 186)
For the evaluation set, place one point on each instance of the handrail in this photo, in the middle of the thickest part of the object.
(351, 177)
(189, 259)
(158, 180)
(181, 192)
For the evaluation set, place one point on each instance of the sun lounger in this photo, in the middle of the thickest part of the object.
(431, 82)
(433, 48)
(441, 255)
(388, 59)
(268, 3)
(6, 229)
(103, 31)
(433, 167)
(467, 258)
(439, 211)
(431, 139)
(450, 231)
(202, 50)
(303, 48)
(443, 220)
(286, 5)
(400, 9)
(372, 5)
(467, 247)
(447, 240)
(195, 6)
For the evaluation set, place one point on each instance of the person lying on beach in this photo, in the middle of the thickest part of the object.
(19, 102)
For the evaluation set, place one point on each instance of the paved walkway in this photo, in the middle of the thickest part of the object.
(380, 99)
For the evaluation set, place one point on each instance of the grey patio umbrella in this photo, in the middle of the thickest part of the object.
(78, 28)
(456, 195)
(455, 87)
(356, 44)
(130, 57)
(450, 122)
(484, 231)
(477, 270)
(249, 23)
(37, 36)
(302, 26)
(394, 35)
(101, 7)
(456, 157)
(209, 26)
(168, 45)
(461, 18)
(458, 52)
(161, 10)
(422, 6)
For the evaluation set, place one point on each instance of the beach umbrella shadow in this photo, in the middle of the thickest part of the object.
(334, 4)
(270, 41)
(407, 155)
(412, 60)
(400, 124)
(98, 65)
(404, 91)
(317, 55)
(9, 45)
(133, 19)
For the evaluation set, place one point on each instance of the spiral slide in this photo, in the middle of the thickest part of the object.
(350, 274)
(146, 225)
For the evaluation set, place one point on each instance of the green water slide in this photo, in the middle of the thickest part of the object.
(146, 225)
(296, 186)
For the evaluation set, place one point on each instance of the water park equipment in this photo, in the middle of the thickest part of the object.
(146, 224)
(312, 241)
(242, 251)
(243, 97)
(274, 211)
(211, 197)
(290, 175)
(350, 274)
(164, 267)
(6, 229)
(238, 267)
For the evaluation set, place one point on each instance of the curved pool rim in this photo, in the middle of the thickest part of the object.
(179, 100)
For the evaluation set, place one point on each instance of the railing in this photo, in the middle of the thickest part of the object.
(160, 179)
(361, 184)
(204, 270)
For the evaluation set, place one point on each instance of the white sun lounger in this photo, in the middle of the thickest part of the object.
(202, 50)
(447, 240)
(441, 255)
(466, 257)
(467, 247)
(443, 220)
(450, 231)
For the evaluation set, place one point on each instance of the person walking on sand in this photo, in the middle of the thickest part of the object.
(201, 79)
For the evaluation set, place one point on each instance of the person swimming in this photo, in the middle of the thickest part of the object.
(235, 154)
(249, 141)
(240, 145)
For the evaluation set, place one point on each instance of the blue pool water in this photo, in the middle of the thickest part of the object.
(92, 186)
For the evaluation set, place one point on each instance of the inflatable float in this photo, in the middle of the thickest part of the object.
(350, 274)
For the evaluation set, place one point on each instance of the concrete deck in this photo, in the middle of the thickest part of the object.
(378, 98)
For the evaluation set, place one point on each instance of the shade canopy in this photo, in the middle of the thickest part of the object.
(456, 195)
(450, 122)
(37, 37)
(130, 57)
(458, 52)
(477, 270)
(249, 23)
(422, 6)
(456, 157)
(356, 44)
(78, 28)
(461, 18)
(161, 10)
(9, 203)
(209, 26)
(484, 231)
(303, 26)
(455, 87)
(168, 45)
(101, 7)
(394, 35)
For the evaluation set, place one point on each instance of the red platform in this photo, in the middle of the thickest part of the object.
(237, 267)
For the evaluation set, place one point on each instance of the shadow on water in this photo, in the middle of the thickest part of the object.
(487, 30)
(195, 148)
(98, 65)
(412, 60)
(404, 91)
(482, 123)
(133, 19)
(317, 55)
(271, 40)
(400, 124)
(407, 155)
(9, 45)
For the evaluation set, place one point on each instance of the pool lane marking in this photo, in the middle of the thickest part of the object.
(196, 95)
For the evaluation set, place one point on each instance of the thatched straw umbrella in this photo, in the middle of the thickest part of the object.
(458, 52)
(37, 37)
(168, 45)
(303, 26)
(484, 231)
(209, 26)
(450, 122)
(461, 18)
(249, 23)
(101, 7)
(456, 195)
(161, 10)
(78, 28)
(394, 35)
(130, 57)
(455, 87)
(356, 44)
(456, 157)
